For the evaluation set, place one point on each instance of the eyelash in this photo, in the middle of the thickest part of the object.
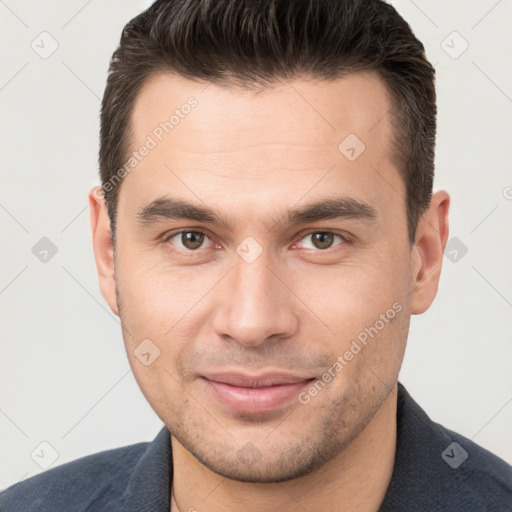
(345, 239)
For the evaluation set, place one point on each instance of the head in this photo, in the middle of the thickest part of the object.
(266, 207)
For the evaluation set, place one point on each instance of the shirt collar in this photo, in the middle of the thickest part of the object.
(149, 486)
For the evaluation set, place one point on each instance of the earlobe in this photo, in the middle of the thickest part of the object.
(428, 251)
(103, 246)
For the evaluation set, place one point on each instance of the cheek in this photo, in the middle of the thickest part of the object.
(350, 297)
(163, 310)
(153, 341)
(365, 308)
(155, 296)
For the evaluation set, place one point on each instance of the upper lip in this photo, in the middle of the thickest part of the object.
(255, 381)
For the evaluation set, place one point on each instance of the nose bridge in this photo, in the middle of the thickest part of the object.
(254, 304)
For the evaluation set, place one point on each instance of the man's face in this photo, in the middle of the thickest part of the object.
(268, 293)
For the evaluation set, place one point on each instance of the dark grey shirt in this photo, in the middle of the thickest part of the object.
(435, 470)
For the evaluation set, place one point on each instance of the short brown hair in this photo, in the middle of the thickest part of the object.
(256, 42)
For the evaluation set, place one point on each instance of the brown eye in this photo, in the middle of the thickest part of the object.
(190, 240)
(321, 240)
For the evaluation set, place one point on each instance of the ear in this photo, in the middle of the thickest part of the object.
(428, 251)
(103, 246)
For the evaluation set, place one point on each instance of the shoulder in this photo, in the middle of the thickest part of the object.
(100, 478)
(437, 469)
(475, 475)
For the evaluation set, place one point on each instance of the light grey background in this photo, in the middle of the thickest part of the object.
(65, 378)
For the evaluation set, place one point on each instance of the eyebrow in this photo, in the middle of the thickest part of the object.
(166, 208)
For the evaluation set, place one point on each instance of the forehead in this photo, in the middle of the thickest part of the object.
(207, 140)
(299, 112)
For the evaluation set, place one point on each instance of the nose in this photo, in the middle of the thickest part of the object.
(255, 304)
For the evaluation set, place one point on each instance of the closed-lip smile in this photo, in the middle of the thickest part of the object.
(253, 394)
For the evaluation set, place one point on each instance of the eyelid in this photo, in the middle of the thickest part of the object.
(345, 237)
(171, 234)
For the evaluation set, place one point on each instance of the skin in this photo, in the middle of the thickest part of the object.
(252, 157)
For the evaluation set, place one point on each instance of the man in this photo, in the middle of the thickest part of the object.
(265, 229)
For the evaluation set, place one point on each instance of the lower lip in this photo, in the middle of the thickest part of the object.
(255, 400)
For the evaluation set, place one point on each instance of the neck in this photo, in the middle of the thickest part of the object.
(356, 479)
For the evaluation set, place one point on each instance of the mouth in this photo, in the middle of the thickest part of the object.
(254, 394)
